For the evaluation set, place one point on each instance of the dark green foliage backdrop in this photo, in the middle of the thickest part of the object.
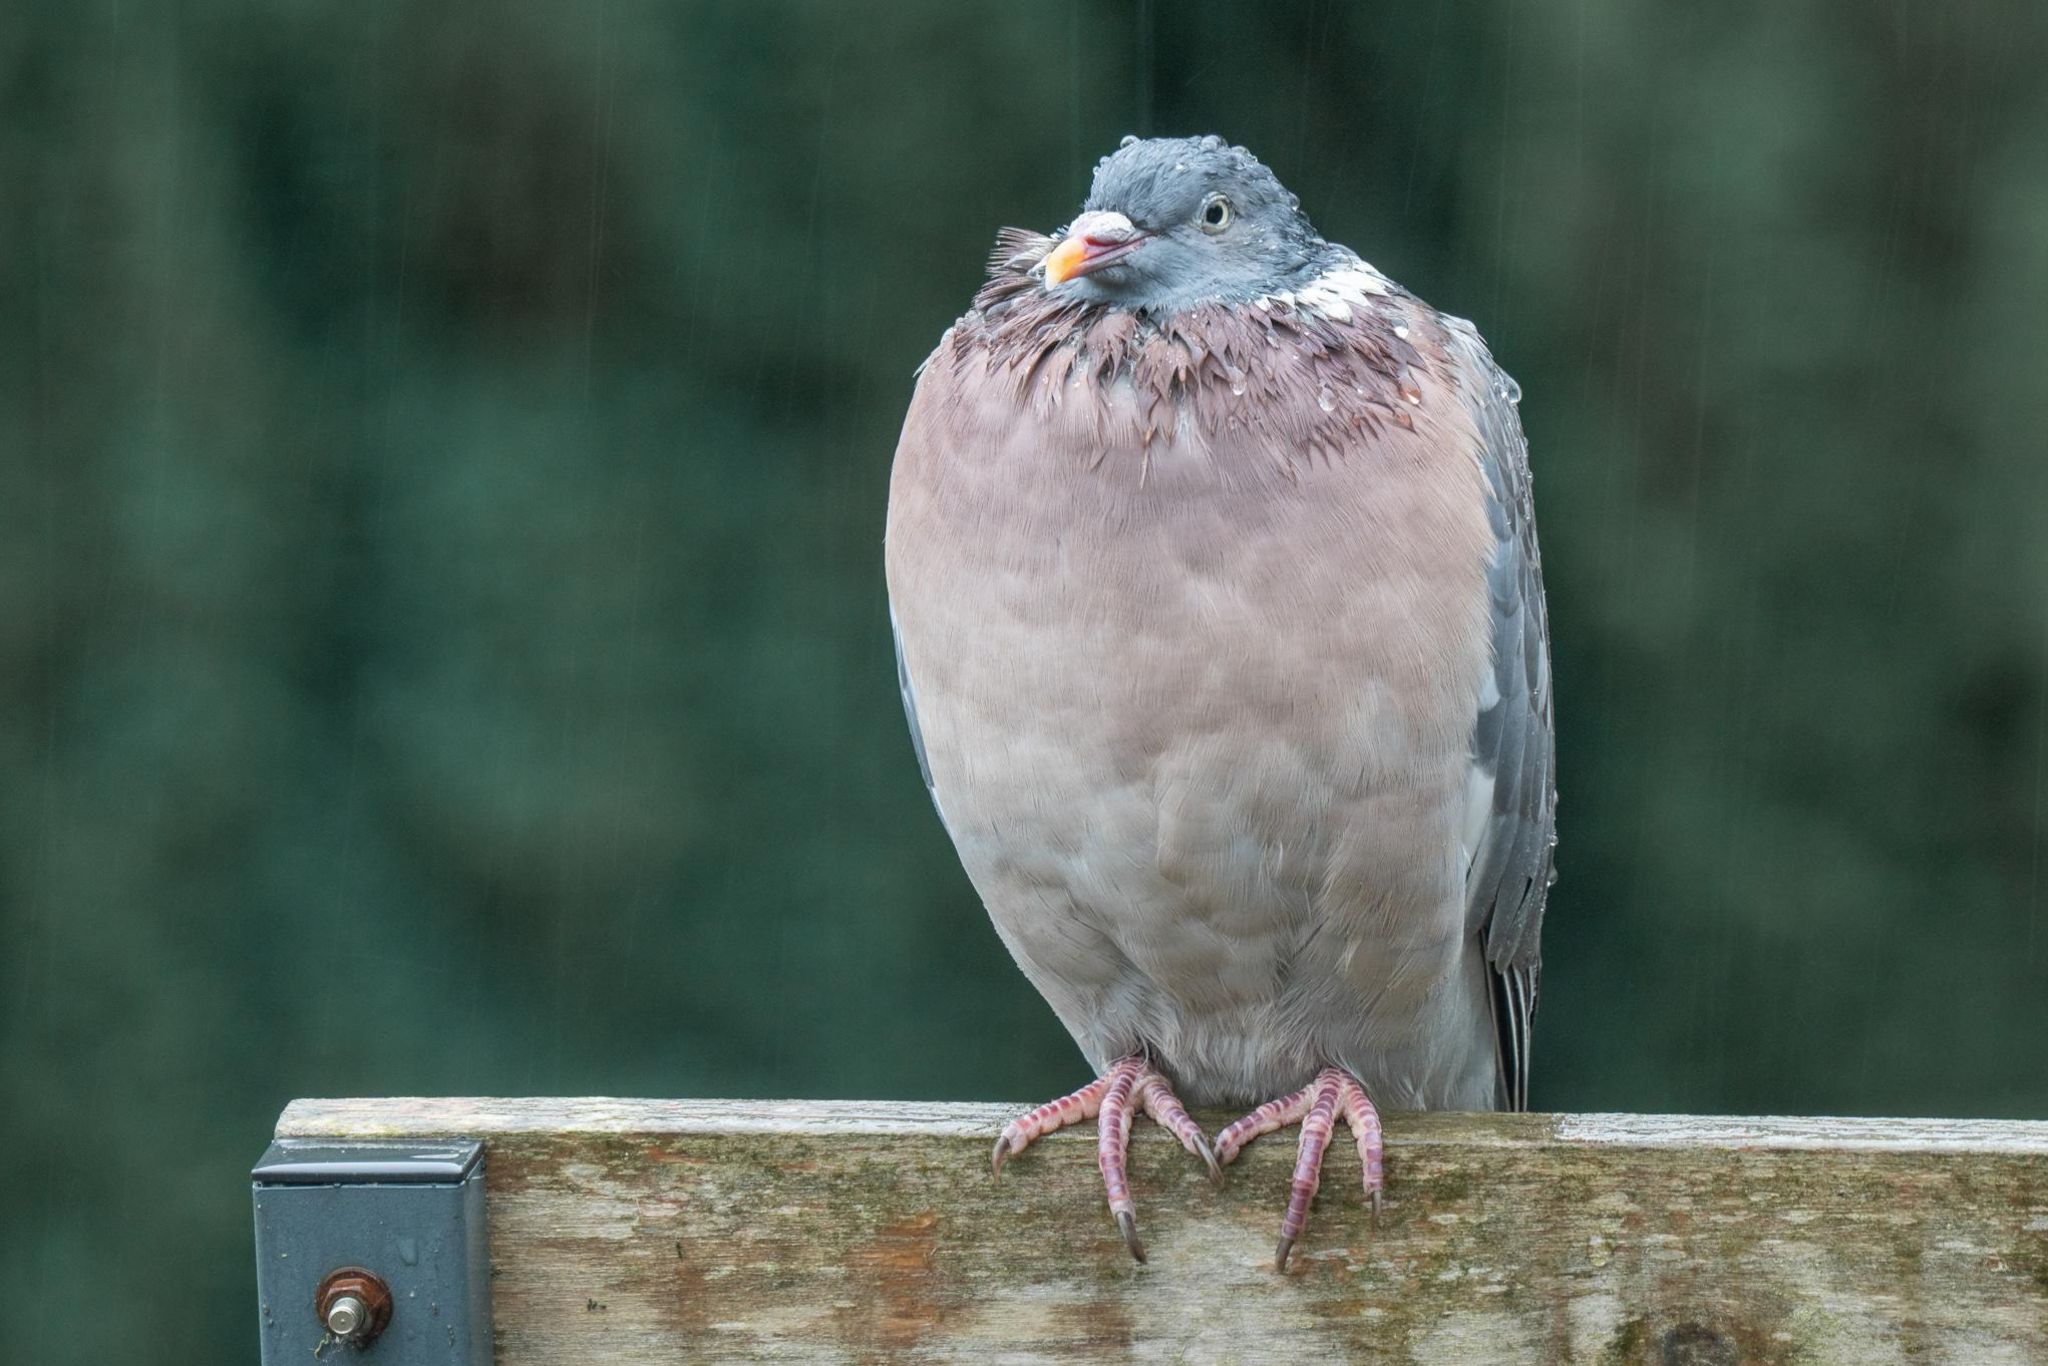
(442, 460)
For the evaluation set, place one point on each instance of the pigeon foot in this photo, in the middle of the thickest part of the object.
(1113, 1101)
(1315, 1107)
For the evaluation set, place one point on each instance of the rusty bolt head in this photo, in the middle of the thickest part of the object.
(353, 1304)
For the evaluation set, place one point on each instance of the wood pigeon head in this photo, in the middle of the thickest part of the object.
(1174, 223)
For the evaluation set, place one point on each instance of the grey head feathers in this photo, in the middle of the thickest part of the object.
(1218, 227)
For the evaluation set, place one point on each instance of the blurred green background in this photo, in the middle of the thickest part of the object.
(442, 461)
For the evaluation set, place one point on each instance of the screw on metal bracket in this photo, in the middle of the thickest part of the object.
(329, 1211)
(354, 1305)
(346, 1316)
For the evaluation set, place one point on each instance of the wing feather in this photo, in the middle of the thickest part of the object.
(1513, 741)
(924, 764)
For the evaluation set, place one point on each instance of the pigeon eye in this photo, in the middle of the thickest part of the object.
(1216, 213)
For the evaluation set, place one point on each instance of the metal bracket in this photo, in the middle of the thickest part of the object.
(373, 1249)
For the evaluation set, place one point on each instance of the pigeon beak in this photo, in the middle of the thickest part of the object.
(1093, 241)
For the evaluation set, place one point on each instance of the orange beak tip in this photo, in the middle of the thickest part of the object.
(1064, 260)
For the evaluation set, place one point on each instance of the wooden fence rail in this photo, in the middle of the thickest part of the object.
(664, 1231)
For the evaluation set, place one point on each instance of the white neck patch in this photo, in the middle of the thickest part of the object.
(1334, 293)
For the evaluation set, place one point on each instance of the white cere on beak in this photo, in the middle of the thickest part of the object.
(1102, 226)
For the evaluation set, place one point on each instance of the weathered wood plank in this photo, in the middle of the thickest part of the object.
(657, 1231)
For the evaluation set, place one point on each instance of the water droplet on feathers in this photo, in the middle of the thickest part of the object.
(1236, 378)
(1506, 388)
(1326, 400)
(1402, 333)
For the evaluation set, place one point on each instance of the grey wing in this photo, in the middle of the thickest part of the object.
(1513, 749)
(924, 765)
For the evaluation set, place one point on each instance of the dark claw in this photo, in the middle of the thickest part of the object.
(1001, 1154)
(1128, 1222)
(1280, 1253)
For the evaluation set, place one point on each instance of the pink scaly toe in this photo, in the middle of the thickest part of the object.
(1112, 1100)
(1316, 1107)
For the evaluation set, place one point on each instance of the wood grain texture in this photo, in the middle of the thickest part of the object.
(663, 1231)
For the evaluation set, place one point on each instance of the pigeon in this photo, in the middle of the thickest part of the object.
(1220, 627)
